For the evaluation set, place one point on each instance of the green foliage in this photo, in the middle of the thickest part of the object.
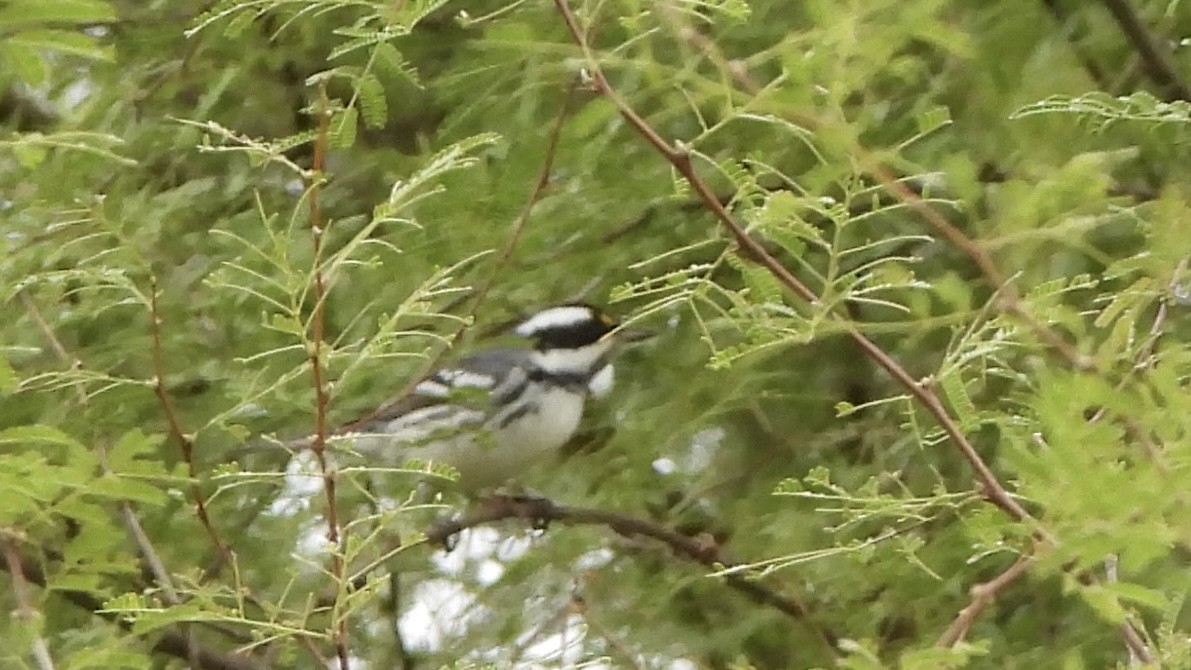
(191, 192)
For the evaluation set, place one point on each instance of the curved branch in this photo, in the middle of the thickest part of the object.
(699, 549)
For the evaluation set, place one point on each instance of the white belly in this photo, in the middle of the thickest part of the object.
(484, 459)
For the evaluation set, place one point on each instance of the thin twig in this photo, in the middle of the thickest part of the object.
(983, 595)
(26, 611)
(1007, 295)
(156, 565)
(1154, 57)
(991, 487)
(1144, 359)
(701, 549)
(322, 398)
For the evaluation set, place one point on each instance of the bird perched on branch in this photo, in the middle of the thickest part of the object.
(497, 413)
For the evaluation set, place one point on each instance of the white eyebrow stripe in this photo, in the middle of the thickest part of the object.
(555, 317)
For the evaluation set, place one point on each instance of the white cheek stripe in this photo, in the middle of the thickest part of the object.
(572, 361)
(601, 383)
(555, 317)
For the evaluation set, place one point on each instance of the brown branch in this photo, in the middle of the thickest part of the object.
(1154, 56)
(186, 444)
(701, 549)
(991, 487)
(322, 399)
(904, 193)
(156, 565)
(1007, 295)
(174, 424)
(983, 595)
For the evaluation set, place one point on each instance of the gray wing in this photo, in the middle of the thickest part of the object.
(480, 372)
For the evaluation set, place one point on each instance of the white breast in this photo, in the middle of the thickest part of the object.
(484, 458)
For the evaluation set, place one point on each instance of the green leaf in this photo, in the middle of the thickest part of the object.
(38, 434)
(932, 119)
(125, 488)
(29, 154)
(1104, 601)
(343, 129)
(24, 13)
(26, 61)
(390, 60)
(957, 392)
(373, 105)
(950, 658)
(134, 446)
(63, 42)
(1142, 595)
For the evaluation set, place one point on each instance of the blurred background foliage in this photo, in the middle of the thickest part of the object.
(155, 168)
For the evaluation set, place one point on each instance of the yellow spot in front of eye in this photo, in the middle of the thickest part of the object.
(607, 320)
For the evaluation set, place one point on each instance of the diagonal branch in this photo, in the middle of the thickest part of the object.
(315, 351)
(1008, 301)
(185, 442)
(991, 487)
(983, 595)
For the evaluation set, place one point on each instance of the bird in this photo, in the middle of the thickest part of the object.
(499, 412)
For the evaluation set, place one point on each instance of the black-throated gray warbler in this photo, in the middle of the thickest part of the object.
(496, 413)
